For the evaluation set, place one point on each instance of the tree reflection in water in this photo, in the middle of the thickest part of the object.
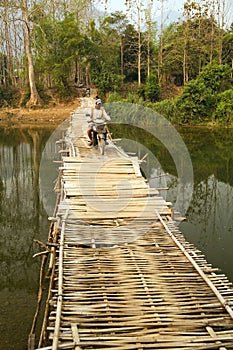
(209, 223)
(22, 219)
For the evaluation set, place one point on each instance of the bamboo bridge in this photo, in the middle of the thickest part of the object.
(122, 274)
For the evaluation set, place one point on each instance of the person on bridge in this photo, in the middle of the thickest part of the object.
(96, 115)
(88, 92)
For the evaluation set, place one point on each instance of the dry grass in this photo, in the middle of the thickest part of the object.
(56, 114)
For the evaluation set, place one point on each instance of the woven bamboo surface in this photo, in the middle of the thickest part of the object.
(123, 275)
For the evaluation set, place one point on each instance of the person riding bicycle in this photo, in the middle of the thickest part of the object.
(96, 116)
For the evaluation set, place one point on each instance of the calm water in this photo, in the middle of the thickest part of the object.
(24, 212)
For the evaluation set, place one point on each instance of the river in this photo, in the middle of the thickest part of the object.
(24, 208)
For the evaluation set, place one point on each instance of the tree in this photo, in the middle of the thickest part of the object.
(152, 88)
(130, 53)
(137, 8)
(11, 48)
(150, 35)
(34, 97)
(227, 50)
(65, 42)
(171, 69)
(161, 43)
(104, 56)
(114, 27)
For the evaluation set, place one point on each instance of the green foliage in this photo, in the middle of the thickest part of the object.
(130, 53)
(70, 48)
(114, 97)
(200, 96)
(134, 98)
(216, 77)
(228, 48)
(192, 44)
(167, 108)
(107, 81)
(173, 50)
(224, 109)
(196, 102)
(152, 88)
(9, 97)
(61, 44)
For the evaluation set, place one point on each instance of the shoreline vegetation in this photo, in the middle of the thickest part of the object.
(182, 70)
(56, 114)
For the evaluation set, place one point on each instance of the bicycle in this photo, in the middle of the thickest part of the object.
(100, 136)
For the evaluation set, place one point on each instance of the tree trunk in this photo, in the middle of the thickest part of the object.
(160, 53)
(149, 25)
(221, 24)
(9, 55)
(185, 70)
(122, 56)
(139, 46)
(34, 97)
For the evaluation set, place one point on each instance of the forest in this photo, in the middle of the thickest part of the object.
(52, 50)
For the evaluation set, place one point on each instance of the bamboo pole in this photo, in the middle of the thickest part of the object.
(40, 292)
(44, 325)
(198, 269)
(60, 287)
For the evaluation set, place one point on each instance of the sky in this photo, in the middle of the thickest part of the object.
(169, 5)
(119, 5)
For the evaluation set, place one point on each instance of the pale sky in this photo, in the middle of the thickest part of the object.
(169, 5)
(119, 5)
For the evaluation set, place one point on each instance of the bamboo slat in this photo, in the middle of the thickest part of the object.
(124, 275)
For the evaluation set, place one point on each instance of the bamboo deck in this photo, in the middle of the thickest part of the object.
(123, 277)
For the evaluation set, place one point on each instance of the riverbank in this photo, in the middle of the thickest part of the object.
(41, 116)
(54, 115)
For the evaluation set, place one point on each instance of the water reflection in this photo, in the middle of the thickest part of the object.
(209, 219)
(23, 206)
(49, 167)
(22, 219)
(209, 223)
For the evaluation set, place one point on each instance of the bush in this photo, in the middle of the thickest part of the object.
(196, 103)
(152, 88)
(224, 109)
(201, 97)
(167, 108)
(134, 98)
(114, 97)
(9, 97)
(216, 77)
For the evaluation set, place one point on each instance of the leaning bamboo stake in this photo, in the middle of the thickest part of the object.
(44, 325)
(198, 269)
(52, 235)
(31, 340)
(52, 229)
(60, 283)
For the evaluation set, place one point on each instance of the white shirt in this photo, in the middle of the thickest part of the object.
(97, 116)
